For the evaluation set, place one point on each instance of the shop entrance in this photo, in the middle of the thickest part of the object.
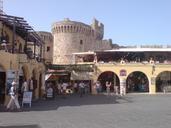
(22, 77)
(110, 77)
(163, 82)
(2, 86)
(137, 82)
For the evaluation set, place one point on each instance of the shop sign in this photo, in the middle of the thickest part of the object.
(123, 72)
(27, 97)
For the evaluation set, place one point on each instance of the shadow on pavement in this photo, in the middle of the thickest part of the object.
(76, 100)
(23, 126)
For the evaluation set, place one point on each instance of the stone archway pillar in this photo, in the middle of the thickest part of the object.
(152, 85)
(93, 87)
(122, 86)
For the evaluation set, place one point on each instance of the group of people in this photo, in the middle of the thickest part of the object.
(108, 86)
(13, 93)
(65, 88)
(83, 88)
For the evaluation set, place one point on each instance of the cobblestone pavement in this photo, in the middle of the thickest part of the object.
(130, 111)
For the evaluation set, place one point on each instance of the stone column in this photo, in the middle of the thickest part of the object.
(122, 86)
(152, 85)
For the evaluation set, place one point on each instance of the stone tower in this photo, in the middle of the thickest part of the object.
(71, 37)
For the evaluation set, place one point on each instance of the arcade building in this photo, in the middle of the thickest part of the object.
(143, 69)
(21, 56)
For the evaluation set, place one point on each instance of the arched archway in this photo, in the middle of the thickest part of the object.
(137, 82)
(163, 80)
(2, 85)
(110, 77)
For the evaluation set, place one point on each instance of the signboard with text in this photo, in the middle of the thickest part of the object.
(27, 97)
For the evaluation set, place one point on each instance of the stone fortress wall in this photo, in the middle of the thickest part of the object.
(48, 47)
(71, 37)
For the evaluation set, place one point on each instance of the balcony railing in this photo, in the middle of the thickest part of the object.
(23, 55)
(166, 62)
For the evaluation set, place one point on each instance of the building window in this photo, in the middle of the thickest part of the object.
(48, 49)
(81, 42)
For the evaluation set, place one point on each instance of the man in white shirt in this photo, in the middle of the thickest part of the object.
(14, 98)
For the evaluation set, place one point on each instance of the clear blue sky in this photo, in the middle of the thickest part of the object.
(127, 22)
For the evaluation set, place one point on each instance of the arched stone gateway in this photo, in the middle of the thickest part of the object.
(137, 82)
(110, 77)
(163, 81)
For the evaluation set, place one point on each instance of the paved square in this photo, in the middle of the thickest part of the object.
(131, 111)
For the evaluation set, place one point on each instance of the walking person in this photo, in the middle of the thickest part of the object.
(116, 89)
(86, 88)
(64, 88)
(14, 98)
(59, 88)
(81, 88)
(75, 87)
(108, 84)
(98, 87)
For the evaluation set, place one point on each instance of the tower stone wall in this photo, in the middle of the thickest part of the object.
(48, 46)
(71, 36)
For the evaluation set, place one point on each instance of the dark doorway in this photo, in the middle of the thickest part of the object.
(163, 80)
(2, 87)
(137, 82)
(110, 77)
(40, 85)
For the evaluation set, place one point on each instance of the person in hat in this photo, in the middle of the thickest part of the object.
(4, 44)
(14, 98)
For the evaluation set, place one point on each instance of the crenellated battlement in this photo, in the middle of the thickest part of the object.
(96, 30)
(72, 29)
(68, 26)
